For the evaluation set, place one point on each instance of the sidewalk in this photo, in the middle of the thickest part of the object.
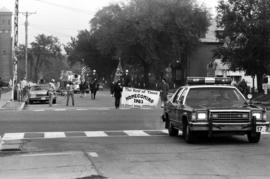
(7, 104)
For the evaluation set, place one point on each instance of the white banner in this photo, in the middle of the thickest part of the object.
(139, 97)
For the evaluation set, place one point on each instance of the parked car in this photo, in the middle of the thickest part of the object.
(39, 93)
(212, 106)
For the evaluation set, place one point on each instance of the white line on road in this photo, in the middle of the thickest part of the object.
(82, 109)
(60, 109)
(95, 134)
(92, 154)
(13, 136)
(136, 133)
(265, 132)
(54, 135)
(38, 110)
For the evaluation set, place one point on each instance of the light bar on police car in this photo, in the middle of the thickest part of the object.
(208, 80)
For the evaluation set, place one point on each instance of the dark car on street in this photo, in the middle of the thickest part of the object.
(212, 106)
(39, 93)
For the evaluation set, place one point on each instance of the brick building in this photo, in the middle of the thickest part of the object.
(5, 44)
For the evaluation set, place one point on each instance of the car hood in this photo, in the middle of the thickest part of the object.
(247, 107)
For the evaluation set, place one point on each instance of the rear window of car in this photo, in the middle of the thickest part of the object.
(37, 88)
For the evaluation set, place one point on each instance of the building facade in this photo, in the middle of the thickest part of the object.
(5, 44)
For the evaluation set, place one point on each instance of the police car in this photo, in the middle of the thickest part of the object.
(213, 106)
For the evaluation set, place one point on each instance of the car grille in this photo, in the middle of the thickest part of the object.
(230, 117)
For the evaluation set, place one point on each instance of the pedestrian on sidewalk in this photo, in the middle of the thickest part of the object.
(51, 91)
(164, 89)
(117, 91)
(70, 92)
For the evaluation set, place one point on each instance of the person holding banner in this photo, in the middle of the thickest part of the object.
(164, 89)
(117, 92)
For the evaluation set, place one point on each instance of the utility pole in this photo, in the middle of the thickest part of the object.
(15, 47)
(26, 41)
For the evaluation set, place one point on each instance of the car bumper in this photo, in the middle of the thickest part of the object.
(215, 127)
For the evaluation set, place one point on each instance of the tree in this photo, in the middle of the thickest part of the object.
(44, 50)
(151, 33)
(246, 32)
(83, 49)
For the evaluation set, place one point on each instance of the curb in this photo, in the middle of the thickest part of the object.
(20, 108)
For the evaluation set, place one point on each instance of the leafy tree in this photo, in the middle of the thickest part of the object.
(151, 33)
(44, 50)
(246, 32)
(83, 49)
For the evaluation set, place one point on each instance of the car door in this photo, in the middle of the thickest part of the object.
(174, 104)
(179, 111)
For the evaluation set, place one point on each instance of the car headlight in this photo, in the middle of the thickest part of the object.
(257, 115)
(201, 115)
(33, 95)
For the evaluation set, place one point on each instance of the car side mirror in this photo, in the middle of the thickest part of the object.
(181, 100)
(249, 97)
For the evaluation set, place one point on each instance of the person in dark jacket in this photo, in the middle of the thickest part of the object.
(164, 89)
(117, 92)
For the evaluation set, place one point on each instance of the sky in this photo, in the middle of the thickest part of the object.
(63, 18)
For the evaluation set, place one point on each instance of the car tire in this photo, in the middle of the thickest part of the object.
(54, 101)
(254, 137)
(30, 102)
(171, 130)
(188, 135)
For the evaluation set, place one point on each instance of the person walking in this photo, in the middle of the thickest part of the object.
(117, 91)
(164, 89)
(70, 93)
(51, 91)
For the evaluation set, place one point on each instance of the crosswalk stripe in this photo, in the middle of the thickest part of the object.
(136, 133)
(13, 136)
(67, 134)
(95, 134)
(54, 135)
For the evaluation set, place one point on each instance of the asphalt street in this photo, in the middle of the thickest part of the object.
(93, 139)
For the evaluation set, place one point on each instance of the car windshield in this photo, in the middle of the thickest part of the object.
(38, 88)
(214, 97)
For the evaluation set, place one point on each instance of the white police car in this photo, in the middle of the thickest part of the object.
(213, 106)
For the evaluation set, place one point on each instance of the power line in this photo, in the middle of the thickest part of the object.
(36, 26)
(65, 7)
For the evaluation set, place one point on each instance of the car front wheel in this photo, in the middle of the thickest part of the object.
(172, 131)
(254, 137)
(187, 133)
